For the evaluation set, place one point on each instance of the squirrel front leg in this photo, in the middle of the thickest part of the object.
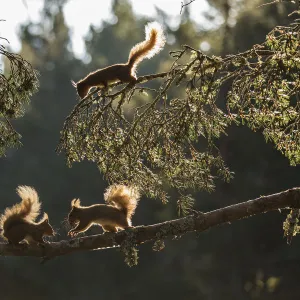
(81, 227)
(35, 239)
(40, 242)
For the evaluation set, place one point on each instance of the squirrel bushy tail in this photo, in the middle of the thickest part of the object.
(28, 209)
(125, 198)
(154, 43)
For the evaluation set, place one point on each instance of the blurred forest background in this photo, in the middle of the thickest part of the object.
(245, 260)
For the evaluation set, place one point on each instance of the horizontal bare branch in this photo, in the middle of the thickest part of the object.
(138, 235)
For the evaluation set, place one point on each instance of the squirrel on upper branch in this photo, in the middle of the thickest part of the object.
(154, 43)
(18, 222)
(116, 214)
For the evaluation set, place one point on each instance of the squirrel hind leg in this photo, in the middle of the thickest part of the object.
(109, 228)
(126, 224)
(132, 78)
(16, 242)
(14, 236)
(102, 84)
(127, 76)
(13, 242)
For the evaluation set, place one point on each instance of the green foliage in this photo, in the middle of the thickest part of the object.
(290, 225)
(184, 204)
(9, 138)
(130, 251)
(17, 85)
(173, 141)
(265, 93)
(158, 245)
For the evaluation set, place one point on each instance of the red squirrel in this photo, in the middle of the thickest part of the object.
(116, 214)
(154, 43)
(18, 222)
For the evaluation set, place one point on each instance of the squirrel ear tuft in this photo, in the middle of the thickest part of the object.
(73, 83)
(75, 202)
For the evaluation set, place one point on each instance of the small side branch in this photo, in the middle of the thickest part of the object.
(197, 222)
(185, 4)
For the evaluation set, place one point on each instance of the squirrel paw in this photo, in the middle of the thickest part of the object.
(72, 233)
(43, 244)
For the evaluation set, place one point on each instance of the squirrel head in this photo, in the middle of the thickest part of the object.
(45, 226)
(73, 216)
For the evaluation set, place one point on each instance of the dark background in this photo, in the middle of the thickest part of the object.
(245, 260)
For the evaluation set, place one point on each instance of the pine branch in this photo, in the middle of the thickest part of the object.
(140, 144)
(138, 235)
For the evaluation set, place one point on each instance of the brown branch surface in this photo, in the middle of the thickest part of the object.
(138, 235)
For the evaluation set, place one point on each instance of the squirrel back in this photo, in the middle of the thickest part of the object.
(27, 210)
(154, 43)
(123, 197)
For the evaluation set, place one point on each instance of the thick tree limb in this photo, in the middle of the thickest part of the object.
(138, 235)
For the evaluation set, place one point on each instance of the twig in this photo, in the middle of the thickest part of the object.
(186, 4)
